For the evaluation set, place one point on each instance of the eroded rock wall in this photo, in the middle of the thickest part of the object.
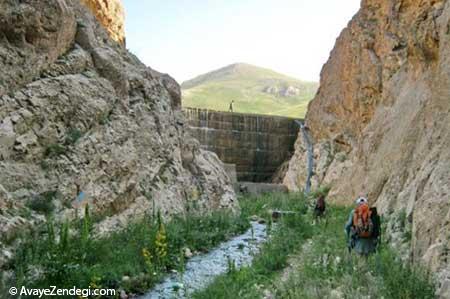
(111, 14)
(83, 121)
(381, 121)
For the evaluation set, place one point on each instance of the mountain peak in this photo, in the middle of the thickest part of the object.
(242, 66)
(254, 89)
(239, 70)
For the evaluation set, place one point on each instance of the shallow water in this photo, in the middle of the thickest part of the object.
(202, 269)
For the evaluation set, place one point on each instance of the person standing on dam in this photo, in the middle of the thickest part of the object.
(230, 109)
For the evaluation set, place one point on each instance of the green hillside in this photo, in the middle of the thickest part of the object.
(253, 89)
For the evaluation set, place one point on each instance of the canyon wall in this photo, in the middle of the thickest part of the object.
(111, 15)
(381, 123)
(256, 144)
(83, 121)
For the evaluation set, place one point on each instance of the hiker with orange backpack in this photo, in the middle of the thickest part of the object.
(362, 228)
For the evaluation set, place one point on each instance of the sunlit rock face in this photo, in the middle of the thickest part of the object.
(83, 121)
(381, 120)
(111, 14)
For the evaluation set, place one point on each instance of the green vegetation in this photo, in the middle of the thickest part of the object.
(404, 225)
(54, 150)
(324, 267)
(43, 203)
(291, 231)
(137, 257)
(321, 266)
(246, 85)
(142, 253)
(72, 136)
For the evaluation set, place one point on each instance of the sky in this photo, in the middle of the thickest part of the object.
(186, 38)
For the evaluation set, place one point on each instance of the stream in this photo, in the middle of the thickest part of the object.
(202, 269)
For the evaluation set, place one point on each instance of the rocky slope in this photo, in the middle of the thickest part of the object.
(82, 121)
(381, 122)
(111, 14)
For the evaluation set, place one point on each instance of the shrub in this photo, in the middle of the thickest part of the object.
(144, 250)
(72, 136)
(54, 150)
(43, 203)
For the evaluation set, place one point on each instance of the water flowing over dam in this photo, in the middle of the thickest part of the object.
(256, 144)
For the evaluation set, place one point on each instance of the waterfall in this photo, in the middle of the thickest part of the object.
(310, 152)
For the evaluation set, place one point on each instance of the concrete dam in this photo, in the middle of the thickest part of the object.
(256, 144)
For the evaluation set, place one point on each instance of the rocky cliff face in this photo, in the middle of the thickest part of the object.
(111, 14)
(381, 121)
(82, 121)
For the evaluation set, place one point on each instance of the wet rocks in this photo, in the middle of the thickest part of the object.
(123, 295)
(201, 269)
(188, 253)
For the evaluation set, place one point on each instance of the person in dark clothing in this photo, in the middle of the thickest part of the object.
(231, 106)
(320, 207)
(376, 220)
(319, 210)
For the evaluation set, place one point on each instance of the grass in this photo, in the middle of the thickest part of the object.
(136, 258)
(73, 135)
(290, 233)
(54, 150)
(245, 85)
(320, 265)
(325, 268)
(142, 253)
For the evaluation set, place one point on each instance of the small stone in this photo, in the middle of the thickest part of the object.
(254, 218)
(35, 101)
(337, 261)
(123, 295)
(8, 254)
(261, 220)
(15, 118)
(188, 253)
(125, 278)
(336, 294)
(268, 295)
(177, 286)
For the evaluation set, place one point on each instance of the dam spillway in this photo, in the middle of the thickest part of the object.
(256, 144)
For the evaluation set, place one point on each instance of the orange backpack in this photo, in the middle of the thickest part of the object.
(362, 221)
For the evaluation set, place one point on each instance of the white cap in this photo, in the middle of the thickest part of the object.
(361, 200)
